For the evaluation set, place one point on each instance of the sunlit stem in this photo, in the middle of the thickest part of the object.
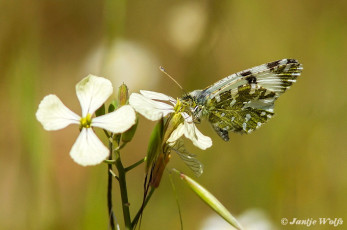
(109, 161)
(113, 174)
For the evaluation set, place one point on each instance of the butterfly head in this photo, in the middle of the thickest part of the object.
(193, 106)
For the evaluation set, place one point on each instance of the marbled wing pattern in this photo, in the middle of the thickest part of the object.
(243, 101)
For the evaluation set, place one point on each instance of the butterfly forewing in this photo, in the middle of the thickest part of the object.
(276, 76)
(243, 101)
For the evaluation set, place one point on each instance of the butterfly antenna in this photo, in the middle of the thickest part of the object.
(163, 70)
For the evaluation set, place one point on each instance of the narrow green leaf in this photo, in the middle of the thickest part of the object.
(210, 200)
(154, 145)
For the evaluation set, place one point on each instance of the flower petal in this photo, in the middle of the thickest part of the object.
(187, 118)
(88, 149)
(54, 115)
(118, 121)
(92, 92)
(176, 134)
(199, 140)
(157, 96)
(152, 110)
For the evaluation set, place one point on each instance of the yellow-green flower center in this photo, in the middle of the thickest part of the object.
(86, 121)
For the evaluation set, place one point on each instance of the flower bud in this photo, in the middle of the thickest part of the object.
(123, 94)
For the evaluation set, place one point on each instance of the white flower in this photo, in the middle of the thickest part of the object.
(154, 105)
(92, 92)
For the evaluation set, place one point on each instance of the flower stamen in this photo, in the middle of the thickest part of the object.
(86, 121)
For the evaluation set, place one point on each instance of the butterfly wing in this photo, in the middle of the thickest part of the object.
(244, 101)
(241, 110)
(189, 159)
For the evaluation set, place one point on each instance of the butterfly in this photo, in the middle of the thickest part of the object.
(243, 101)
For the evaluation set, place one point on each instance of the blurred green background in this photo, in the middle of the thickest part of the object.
(294, 166)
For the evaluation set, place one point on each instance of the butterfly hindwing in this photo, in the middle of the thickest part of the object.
(241, 110)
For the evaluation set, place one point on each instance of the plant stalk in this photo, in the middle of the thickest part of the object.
(123, 191)
(109, 190)
(138, 215)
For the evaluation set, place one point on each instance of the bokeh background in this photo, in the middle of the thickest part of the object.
(294, 166)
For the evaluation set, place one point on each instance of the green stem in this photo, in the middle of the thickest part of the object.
(123, 191)
(106, 133)
(138, 215)
(109, 190)
(135, 165)
(176, 197)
